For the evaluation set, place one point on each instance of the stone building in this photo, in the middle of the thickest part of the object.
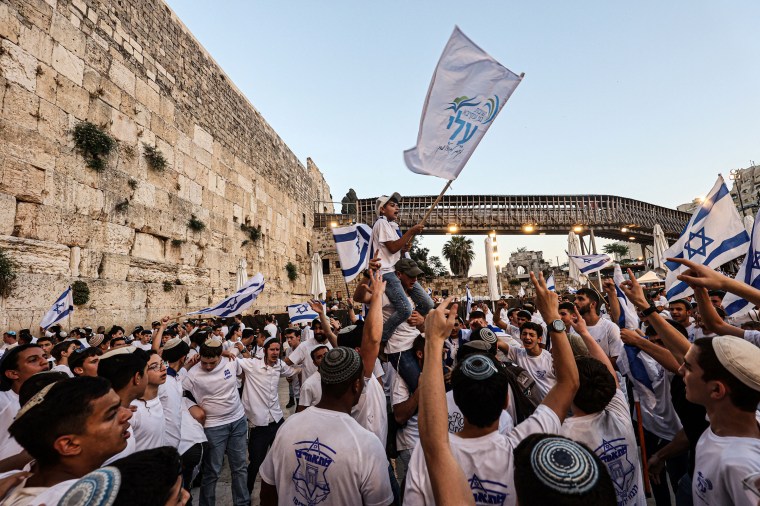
(133, 69)
(748, 186)
(521, 263)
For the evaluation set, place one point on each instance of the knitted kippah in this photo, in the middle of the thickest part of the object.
(268, 340)
(339, 365)
(172, 343)
(477, 367)
(98, 488)
(213, 342)
(564, 466)
(485, 334)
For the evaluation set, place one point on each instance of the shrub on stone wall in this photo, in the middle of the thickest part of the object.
(292, 271)
(195, 224)
(7, 274)
(154, 157)
(253, 233)
(94, 144)
(168, 286)
(80, 292)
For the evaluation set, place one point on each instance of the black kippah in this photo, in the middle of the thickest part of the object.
(339, 365)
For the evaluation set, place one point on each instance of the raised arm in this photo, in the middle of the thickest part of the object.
(660, 354)
(701, 275)
(609, 288)
(373, 326)
(395, 246)
(447, 480)
(351, 314)
(561, 396)
(674, 341)
(318, 308)
(156, 345)
(594, 350)
(710, 317)
(500, 304)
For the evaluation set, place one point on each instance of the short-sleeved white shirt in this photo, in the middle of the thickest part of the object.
(408, 435)
(301, 356)
(9, 406)
(607, 335)
(261, 399)
(456, 418)
(541, 368)
(216, 392)
(610, 434)
(487, 462)
(753, 336)
(384, 231)
(192, 430)
(657, 413)
(404, 335)
(170, 394)
(720, 465)
(148, 424)
(326, 457)
(271, 329)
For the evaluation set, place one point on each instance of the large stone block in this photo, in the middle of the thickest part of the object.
(66, 34)
(18, 66)
(203, 139)
(21, 107)
(7, 213)
(67, 63)
(114, 266)
(122, 77)
(37, 257)
(123, 127)
(71, 97)
(148, 246)
(10, 27)
(22, 180)
(118, 239)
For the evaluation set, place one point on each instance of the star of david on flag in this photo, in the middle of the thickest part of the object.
(62, 307)
(587, 264)
(238, 301)
(714, 235)
(353, 246)
(301, 313)
(749, 273)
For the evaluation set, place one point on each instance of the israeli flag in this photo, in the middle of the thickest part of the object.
(587, 264)
(468, 90)
(301, 313)
(353, 245)
(238, 301)
(570, 289)
(550, 283)
(628, 317)
(62, 307)
(749, 273)
(714, 235)
(468, 299)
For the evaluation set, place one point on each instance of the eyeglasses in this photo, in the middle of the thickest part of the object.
(156, 367)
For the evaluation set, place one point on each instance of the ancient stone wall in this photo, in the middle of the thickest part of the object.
(132, 67)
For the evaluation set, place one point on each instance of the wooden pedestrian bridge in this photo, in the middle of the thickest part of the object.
(609, 216)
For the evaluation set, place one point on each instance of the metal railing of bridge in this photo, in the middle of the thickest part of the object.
(610, 216)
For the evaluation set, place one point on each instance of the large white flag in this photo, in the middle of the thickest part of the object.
(587, 264)
(468, 90)
(62, 307)
(629, 319)
(714, 235)
(238, 301)
(749, 273)
(301, 313)
(353, 245)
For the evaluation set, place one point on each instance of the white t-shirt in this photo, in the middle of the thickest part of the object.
(753, 336)
(271, 329)
(34, 496)
(404, 335)
(301, 356)
(657, 413)
(487, 462)
(456, 418)
(170, 394)
(720, 465)
(408, 435)
(610, 434)
(9, 406)
(148, 424)
(323, 456)
(192, 430)
(311, 391)
(216, 392)
(64, 369)
(607, 335)
(384, 231)
(541, 368)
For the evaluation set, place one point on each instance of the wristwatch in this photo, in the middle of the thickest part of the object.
(557, 326)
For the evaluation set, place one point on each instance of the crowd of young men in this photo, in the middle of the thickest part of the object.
(529, 405)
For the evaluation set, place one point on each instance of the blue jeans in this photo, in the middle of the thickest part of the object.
(407, 366)
(229, 439)
(394, 290)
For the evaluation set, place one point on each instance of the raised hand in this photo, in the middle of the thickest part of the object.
(632, 289)
(700, 275)
(547, 301)
(374, 263)
(316, 306)
(440, 321)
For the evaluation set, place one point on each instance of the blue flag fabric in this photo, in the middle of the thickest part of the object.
(590, 263)
(749, 273)
(62, 307)
(714, 235)
(550, 283)
(301, 313)
(353, 246)
(238, 301)
(637, 369)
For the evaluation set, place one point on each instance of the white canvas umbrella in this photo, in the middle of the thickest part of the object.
(242, 275)
(660, 245)
(649, 278)
(493, 283)
(317, 278)
(574, 248)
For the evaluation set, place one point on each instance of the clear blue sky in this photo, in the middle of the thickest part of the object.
(649, 100)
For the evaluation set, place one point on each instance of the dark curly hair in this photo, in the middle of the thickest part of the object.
(597, 386)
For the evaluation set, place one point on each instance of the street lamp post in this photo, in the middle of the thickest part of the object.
(736, 177)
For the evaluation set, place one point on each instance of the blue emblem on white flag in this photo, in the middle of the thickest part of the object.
(353, 245)
(749, 273)
(550, 283)
(714, 235)
(62, 307)
(590, 263)
(238, 301)
(299, 313)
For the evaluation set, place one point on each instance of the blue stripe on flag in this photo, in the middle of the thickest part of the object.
(709, 203)
(729, 244)
(594, 266)
(638, 370)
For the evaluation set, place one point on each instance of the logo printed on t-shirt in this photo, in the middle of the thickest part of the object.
(703, 485)
(227, 374)
(309, 477)
(540, 374)
(487, 492)
(614, 454)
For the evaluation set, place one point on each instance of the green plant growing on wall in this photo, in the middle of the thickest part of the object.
(154, 157)
(7, 274)
(177, 242)
(195, 224)
(80, 292)
(132, 183)
(292, 271)
(168, 286)
(253, 233)
(122, 206)
(94, 144)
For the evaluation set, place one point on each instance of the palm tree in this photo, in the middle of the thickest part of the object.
(616, 248)
(458, 251)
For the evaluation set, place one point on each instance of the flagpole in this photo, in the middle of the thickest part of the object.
(437, 200)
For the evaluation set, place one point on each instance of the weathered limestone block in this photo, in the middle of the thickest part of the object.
(21, 179)
(67, 63)
(123, 128)
(122, 77)
(114, 266)
(66, 34)
(147, 96)
(37, 257)
(20, 107)
(18, 66)
(75, 230)
(110, 295)
(75, 257)
(148, 247)
(71, 97)
(7, 213)
(90, 262)
(53, 123)
(118, 239)
(10, 27)
(203, 139)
